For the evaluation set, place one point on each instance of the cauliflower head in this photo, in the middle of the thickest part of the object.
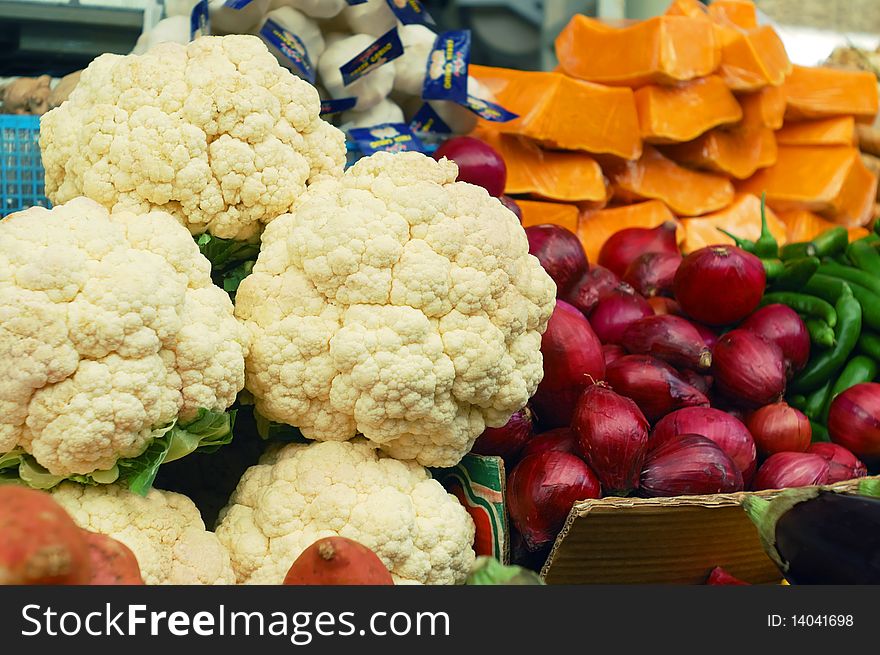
(163, 530)
(214, 132)
(301, 493)
(110, 330)
(399, 304)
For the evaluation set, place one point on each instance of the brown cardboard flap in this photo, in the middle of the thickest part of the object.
(661, 540)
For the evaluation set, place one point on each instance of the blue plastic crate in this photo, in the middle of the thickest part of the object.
(21, 171)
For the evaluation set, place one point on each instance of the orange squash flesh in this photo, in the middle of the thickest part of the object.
(837, 131)
(595, 226)
(741, 13)
(752, 59)
(742, 218)
(659, 50)
(824, 92)
(764, 108)
(828, 180)
(549, 174)
(769, 149)
(669, 114)
(685, 192)
(802, 225)
(737, 153)
(537, 212)
(563, 113)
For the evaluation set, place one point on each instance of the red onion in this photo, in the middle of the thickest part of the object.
(725, 430)
(572, 360)
(478, 163)
(612, 352)
(702, 383)
(781, 325)
(613, 435)
(749, 370)
(654, 386)
(563, 440)
(512, 205)
(663, 305)
(719, 285)
(507, 441)
(708, 335)
(842, 464)
(560, 253)
(541, 490)
(616, 311)
(689, 465)
(652, 273)
(592, 287)
(624, 246)
(780, 428)
(784, 470)
(854, 420)
(719, 576)
(670, 338)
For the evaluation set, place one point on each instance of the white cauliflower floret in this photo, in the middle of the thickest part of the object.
(109, 327)
(164, 531)
(214, 132)
(399, 304)
(301, 493)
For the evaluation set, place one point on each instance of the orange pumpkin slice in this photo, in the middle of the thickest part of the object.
(737, 153)
(595, 226)
(838, 131)
(824, 92)
(742, 218)
(555, 213)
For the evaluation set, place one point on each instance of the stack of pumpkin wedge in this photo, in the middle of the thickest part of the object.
(689, 116)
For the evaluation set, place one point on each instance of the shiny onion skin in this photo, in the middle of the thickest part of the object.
(702, 383)
(728, 433)
(572, 360)
(652, 273)
(541, 491)
(842, 464)
(613, 436)
(854, 420)
(670, 338)
(612, 352)
(784, 470)
(613, 314)
(592, 287)
(653, 385)
(563, 440)
(780, 428)
(507, 441)
(782, 326)
(478, 163)
(709, 336)
(719, 285)
(560, 253)
(512, 205)
(622, 247)
(747, 369)
(689, 465)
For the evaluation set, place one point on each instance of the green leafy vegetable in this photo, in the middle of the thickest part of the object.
(489, 571)
(231, 261)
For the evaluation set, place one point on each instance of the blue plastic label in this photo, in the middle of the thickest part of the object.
(355, 2)
(489, 110)
(199, 25)
(291, 46)
(428, 120)
(384, 49)
(410, 12)
(337, 106)
(446, 74)
(387, 137)
(237, 4)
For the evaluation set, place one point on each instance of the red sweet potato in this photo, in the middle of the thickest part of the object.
(112, 561)
(338, 561)
(39, 542)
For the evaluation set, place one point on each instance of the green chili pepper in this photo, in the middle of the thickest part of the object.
(831, 242)
(797, 250)
(823, 366)
(862, 254)
(821, 333)
(745, 244)
(857, 370)
(798, 401)
(851, 274)
(829, 289)
(820, 432)
(871, 238)
(766, 245)
(816, 401)
(773, 268)
(803, 303)
(869, 344)
(796, 273)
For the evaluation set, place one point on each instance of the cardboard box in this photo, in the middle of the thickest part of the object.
(626, 540)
